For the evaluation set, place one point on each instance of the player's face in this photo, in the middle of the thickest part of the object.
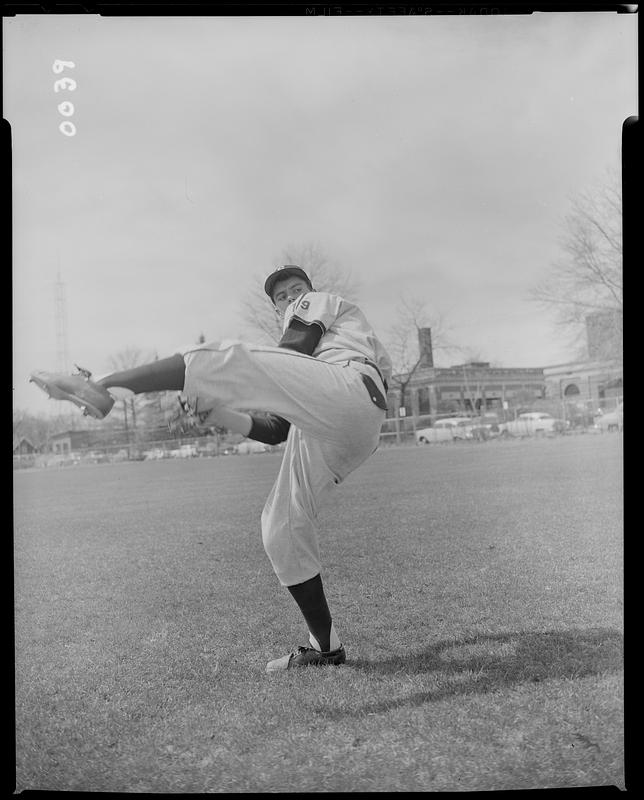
(287, 291)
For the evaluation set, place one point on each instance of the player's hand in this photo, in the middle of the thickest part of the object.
(229, 419)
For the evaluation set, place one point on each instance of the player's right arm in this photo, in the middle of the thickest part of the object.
(269, 428)
(234, 421)
(266, 428)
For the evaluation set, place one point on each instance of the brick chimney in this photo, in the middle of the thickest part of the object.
(425, 347)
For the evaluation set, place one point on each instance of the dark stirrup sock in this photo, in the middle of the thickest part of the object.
(162, 375)
(311, 600)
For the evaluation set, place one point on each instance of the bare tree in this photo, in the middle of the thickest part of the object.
(131, 405)
(584, 287)
(403, 342)
(327, 276)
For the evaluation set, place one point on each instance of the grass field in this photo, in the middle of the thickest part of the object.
(478, 589)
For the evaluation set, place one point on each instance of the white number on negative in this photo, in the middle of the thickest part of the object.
(65, 83)
(58, 66)
(66, 108)
(68, 128)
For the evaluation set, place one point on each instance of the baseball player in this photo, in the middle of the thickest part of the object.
(324, 389)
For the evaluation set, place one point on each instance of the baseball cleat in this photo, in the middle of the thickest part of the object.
(92, 399)
(308, 657)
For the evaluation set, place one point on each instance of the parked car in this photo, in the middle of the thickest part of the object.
(611, 420)
(433, 435)
(208, 448)
(249, 446)
(486, 427)
(156, 454)
(445, 430)
(533, 423)
(96, 457)
(462, 427)
(186, 451)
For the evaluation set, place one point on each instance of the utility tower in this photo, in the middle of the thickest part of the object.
(62, 356)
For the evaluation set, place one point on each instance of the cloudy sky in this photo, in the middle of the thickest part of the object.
(431, 157)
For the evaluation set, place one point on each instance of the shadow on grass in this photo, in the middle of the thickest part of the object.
(484, 663)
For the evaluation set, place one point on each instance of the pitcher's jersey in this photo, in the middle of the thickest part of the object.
(335, 330)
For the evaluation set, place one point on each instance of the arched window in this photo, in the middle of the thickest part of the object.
(571, 390)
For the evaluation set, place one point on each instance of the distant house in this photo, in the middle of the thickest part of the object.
(23, 447)
(66, 441)
(69, 441)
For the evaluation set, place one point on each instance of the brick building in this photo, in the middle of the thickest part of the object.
(476, 387)
(68, 441)
(75, 440)
(473, 387)
(598, 380)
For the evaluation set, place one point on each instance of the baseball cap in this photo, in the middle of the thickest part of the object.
(281, 274)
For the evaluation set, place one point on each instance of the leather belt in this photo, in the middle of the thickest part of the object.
(374, 366)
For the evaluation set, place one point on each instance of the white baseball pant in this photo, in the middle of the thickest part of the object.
(335, 427)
